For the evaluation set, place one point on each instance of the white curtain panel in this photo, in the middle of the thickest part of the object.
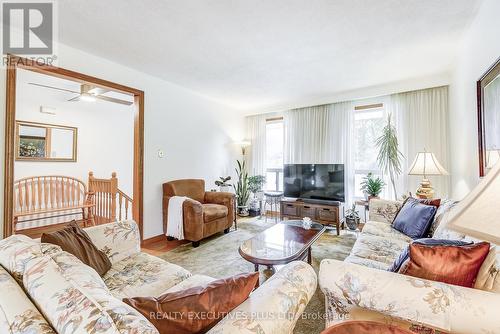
(321, 135)
(421, 118)
(256, 153)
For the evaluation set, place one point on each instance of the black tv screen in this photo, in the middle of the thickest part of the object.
(314, 181)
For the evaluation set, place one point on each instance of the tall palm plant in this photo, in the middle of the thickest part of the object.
(389, 157)
(241, 187)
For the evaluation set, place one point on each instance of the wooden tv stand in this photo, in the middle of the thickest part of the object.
(326, 214)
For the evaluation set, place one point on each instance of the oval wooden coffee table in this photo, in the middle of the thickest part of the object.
(280, 244)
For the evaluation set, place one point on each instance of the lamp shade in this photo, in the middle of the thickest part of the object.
(477, 215)
(425, 163)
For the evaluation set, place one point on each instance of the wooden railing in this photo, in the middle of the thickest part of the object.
(124, 206)
(105, 194)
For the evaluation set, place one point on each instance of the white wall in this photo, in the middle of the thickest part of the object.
(479, 50)
(105, 140)
(195, 132)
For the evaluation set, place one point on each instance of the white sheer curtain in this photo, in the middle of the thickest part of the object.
(321, 135)
(256, 153)
(421, 118)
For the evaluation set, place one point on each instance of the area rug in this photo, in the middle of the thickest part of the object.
(218, 257)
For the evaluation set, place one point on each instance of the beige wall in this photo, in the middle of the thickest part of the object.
(195, 133)
(480, 48)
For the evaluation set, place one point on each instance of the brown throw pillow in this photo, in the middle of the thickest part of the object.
(74, 240)
(458, 265)
(197, 309)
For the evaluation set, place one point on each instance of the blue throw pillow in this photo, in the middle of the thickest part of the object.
(414, 218)
(405, 254)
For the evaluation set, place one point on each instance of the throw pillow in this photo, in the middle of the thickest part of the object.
(75, 240)
(414, 218)
(197, 309)
(405, 254)
(458, 265)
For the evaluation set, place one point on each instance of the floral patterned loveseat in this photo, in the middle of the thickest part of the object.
(45, 290)
(361, 288)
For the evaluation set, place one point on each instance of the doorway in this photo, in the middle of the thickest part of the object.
(44, 136)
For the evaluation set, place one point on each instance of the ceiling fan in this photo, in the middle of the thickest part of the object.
(87, 93)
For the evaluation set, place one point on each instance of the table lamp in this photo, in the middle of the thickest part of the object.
(477, 214)
(425, 163)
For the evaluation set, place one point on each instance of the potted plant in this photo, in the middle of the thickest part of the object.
(352, 218)
(241, 189)
(255, 184)
(372, 186)
(222, 183)
(389, 157)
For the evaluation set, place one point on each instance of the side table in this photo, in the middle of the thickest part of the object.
(365, 204)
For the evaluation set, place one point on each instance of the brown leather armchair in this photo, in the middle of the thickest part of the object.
(205, 213)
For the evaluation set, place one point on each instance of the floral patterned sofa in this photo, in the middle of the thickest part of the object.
(45, 290)
(361, 288)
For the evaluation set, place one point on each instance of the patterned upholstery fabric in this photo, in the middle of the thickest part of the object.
(195, 280)
(376, 248)
(118, 240)
(17, 250)
(18, 315)
(143, 275)
(355, 292)
(275, 306)
(76, 304)
(74, 299)
(383, 210)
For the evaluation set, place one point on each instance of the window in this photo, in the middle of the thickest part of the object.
(274, 155)
(368, 125)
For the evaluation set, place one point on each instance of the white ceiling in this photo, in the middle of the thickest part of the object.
(255, 54)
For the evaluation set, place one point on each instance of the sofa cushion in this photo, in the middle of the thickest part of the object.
(488, 277)
(384, 230)
(17, 250)
(213, 212)
(414, 218)
(405, 254)
(73, 239)
(379, 249)
(458, 265)
(143, 275)
(195, 280)
(118, 240)
(73, 307)
(384, 211)
(17, 312)
(208, 303)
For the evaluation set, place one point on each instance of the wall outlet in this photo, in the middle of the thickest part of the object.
(161, 154)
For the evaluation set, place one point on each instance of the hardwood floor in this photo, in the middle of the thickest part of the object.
(162, 245)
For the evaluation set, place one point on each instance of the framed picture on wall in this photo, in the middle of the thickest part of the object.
(45, 142)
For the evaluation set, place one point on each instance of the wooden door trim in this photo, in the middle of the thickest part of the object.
(15, 62)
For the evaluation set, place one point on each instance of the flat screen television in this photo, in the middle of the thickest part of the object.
(314, 181)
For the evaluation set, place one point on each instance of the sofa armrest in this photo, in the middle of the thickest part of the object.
(437, 305)
(118, 239)
(275, 306)
(193, 220)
